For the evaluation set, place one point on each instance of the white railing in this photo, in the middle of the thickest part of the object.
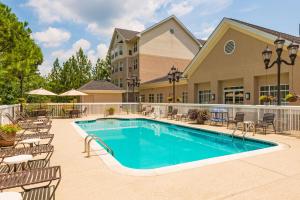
(287, 117)
(59, 109)
(7, 109)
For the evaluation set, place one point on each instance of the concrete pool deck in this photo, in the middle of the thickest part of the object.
(274, 175)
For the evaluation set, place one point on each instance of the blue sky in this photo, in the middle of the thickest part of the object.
(62, 26)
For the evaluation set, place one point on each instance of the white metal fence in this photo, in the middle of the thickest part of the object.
(7, 109)
(287, 117)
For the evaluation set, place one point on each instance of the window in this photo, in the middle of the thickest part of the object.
(151, 98)
(135, 47)
(142, 98)
(229, 47)
(159, 98)
(121, 83)
(130, 52)
(184, 97)
(135, 63)
(234, 95)
(121, 66)
(204, 96)
(120, 50)
(271, 90)
(117, 82)
(117, 68)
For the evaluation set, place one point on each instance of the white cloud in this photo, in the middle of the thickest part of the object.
(45, 68)
(82, 43)
(180, 9)
(93, 54)
(203, 7)
(52, 37)
(205, 30)
(100, 52)
(100, 16)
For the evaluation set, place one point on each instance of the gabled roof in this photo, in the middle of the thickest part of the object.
(178, 21)
(270, 31)
(202, 42)
(156, 80)
(127, 34)
(99, 85)
(264, 34)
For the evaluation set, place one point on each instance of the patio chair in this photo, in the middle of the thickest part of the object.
(268, 120)
(186, 116)
(50, 112)
(149, 112)
(173, 113)
(193, 115)
(37, 184)
(239, 118)
(83, 112)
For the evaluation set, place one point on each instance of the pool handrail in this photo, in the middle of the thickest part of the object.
(87, 143)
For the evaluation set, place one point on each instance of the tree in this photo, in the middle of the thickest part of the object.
(101, 71)
(19, 55)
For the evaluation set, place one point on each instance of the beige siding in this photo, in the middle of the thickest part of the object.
(244, 67)
(160, 42)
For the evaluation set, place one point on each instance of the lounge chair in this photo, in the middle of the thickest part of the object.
(38, 162)
(37, 184)
(268, 120)
(173, 113)
(239, 118)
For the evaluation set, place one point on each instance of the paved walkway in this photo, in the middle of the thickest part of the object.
(273, 176)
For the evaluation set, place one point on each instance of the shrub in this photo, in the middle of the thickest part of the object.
(9, 128)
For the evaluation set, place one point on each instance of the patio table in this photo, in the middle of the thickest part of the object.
(10, 196)
(17, 160)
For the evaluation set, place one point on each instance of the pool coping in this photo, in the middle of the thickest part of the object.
(116, 166)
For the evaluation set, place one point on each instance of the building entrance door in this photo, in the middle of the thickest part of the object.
(234, 95)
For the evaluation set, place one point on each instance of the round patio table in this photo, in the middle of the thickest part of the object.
(10, 196)
(16, 160)
(31, 141)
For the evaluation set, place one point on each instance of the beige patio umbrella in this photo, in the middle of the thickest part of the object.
(41, 92)
(72, 93)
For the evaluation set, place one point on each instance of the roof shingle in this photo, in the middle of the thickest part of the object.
(99, 85)
(127, 34)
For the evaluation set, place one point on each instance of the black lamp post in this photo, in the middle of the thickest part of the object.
(267, 54)
(174, 75)
(132, 83)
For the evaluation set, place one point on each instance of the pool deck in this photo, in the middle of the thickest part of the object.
(274, 175)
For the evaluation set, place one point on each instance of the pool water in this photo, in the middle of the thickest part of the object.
(148, 144)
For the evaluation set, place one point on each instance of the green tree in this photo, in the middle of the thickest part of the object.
(101, 71)
(19, 56)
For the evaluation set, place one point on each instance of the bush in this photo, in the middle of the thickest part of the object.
(110, 111)
(9, 128)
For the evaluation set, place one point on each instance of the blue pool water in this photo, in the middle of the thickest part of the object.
(148, 144)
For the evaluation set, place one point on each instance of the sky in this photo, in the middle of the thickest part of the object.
(61, 27)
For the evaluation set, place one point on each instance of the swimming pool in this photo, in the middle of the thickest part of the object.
(150, 144)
